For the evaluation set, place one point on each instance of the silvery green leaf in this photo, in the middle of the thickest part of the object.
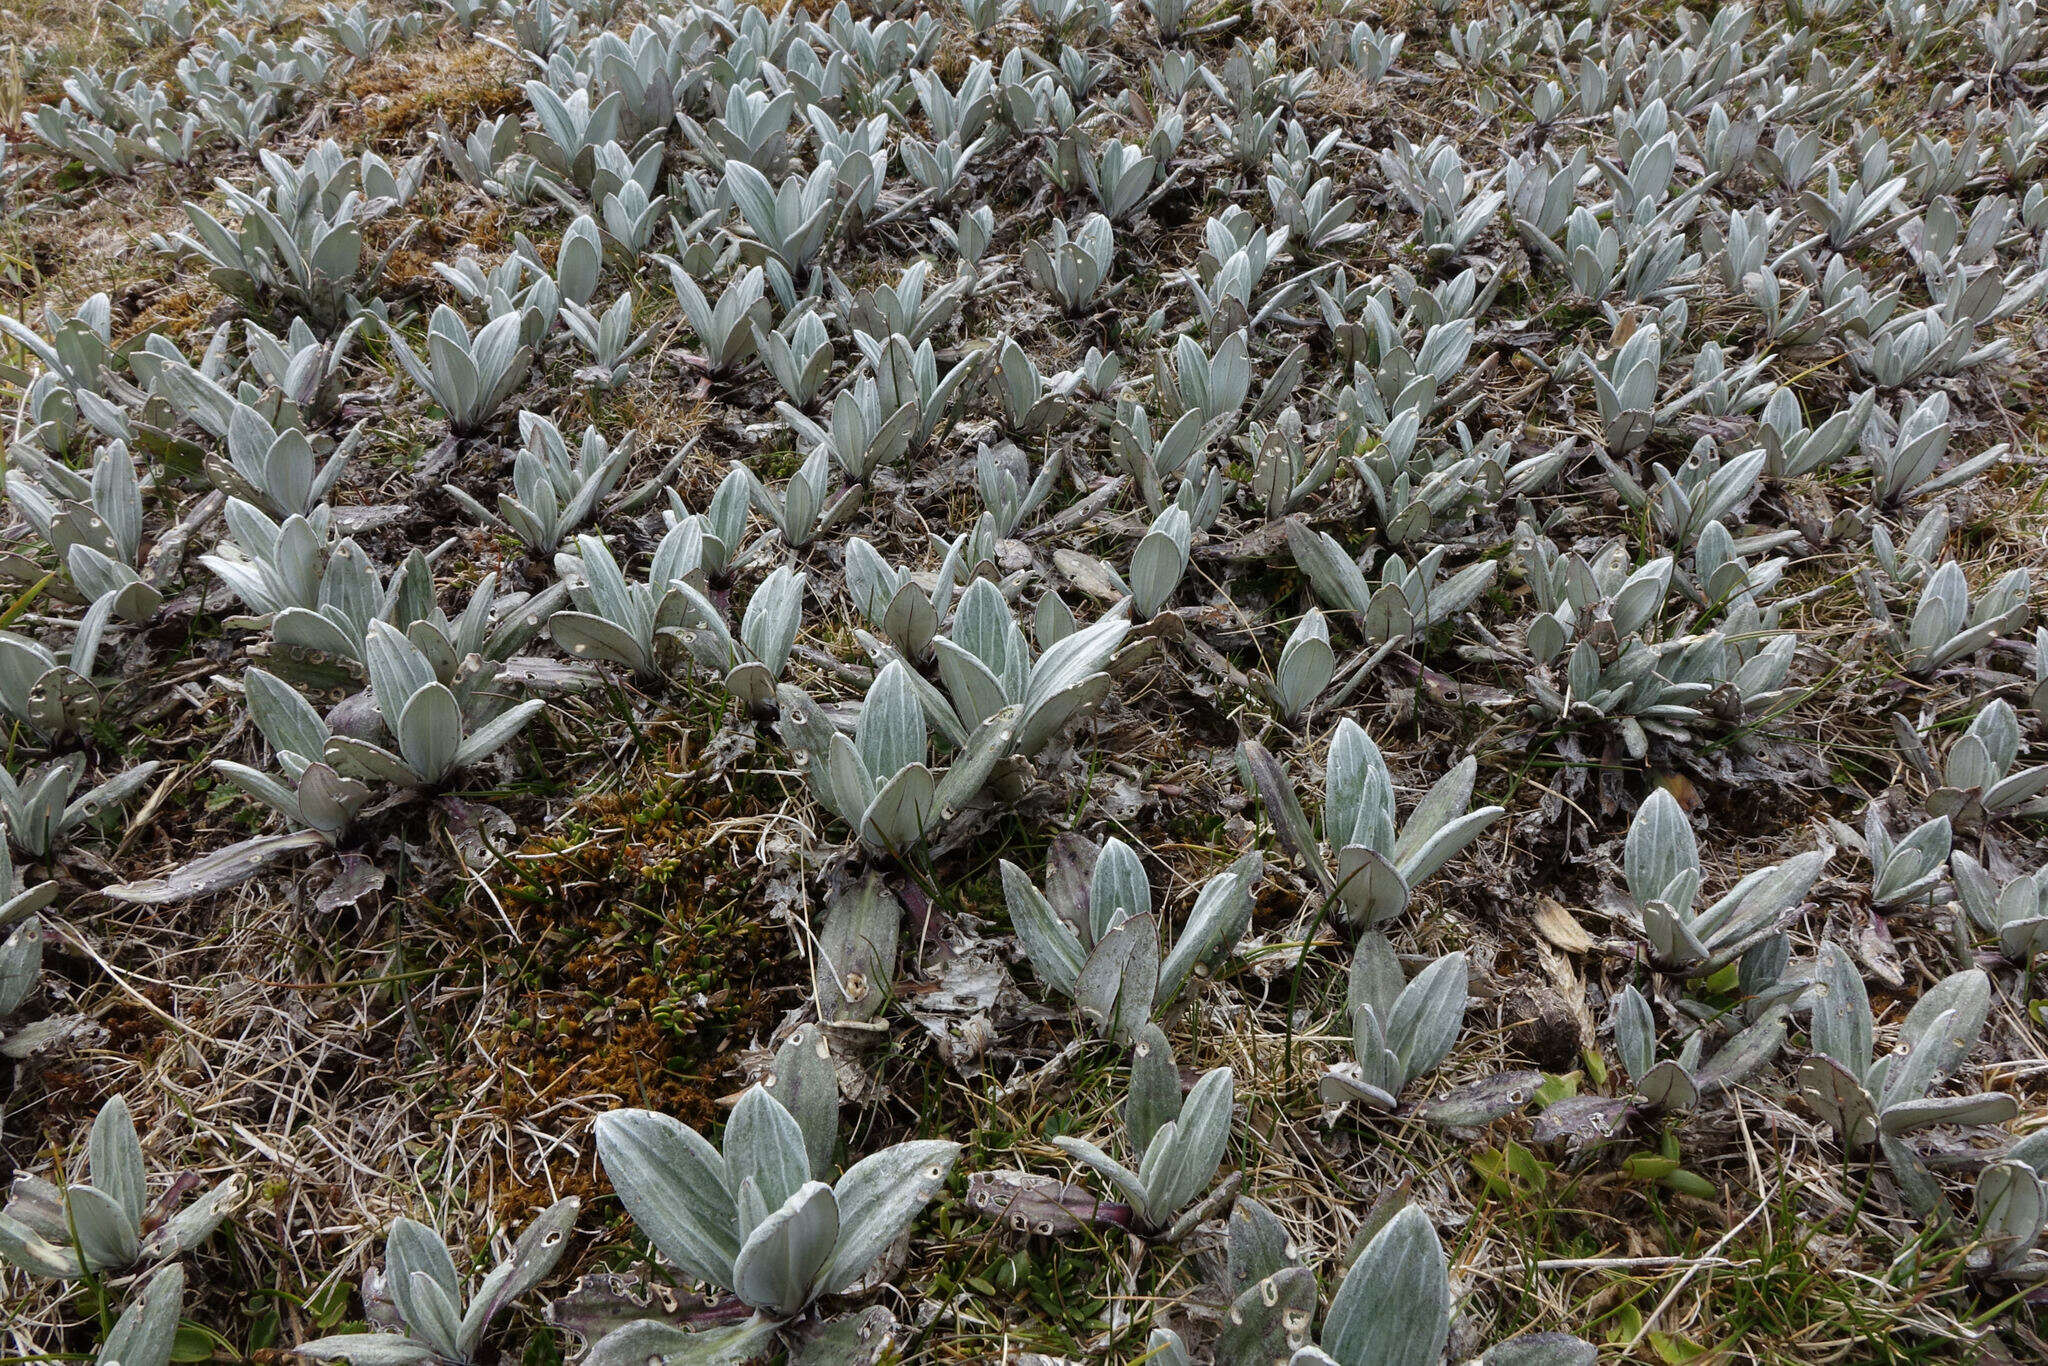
(1968, 995)
(1447, 800)
(1660, 848)
(114, 1159)
(1276, 791)
(647, 1341)
(495, 734)
(777, 1269)
(1673, 945)
(890, 733)
(1041, 721)
(769, 625)
(976, 691)
(974, 762)
(1376, 981)
(1154, 1099)
(429, 732)
(535, 1255)
(21, 960)
(2011, 1206)
(1200, 1136)
(904, 811)
(1269, 1318)
(1839, 1099)
(27, 1249)
(1345, 1083)
(1394, 1305)
(1990, 1107)
(286, 719)
(1164, 1348)
(1358, 792)
(1307, 664)
(1158, 563)
(360, 756)
(1428, 1016)
(1117, 889)
(1668, 1086)
(368, 1349)
(764, 1143)
(106, 1236)
(2031, 1150)
(1754, 906)
(857, 951)
(846, 787)
(674, 1185)
(1074, 657)
(437, 1313)
(1841, 1023)
(420, 1277)
(1371, 889)
(751, 684)
(195, 1223)
(1542, 1349)
(804, 1083)
(878, 1197)
(148, 1327)
(1221, 913)
(1256, 1245)
(864, 1337)
(1635, 1034)
(1446, 842)
(1912, 866)
(588, 636)
(1052, 621)
(1117, 986)
(1126, 1182)
(1739, 1058)
(1055, 951)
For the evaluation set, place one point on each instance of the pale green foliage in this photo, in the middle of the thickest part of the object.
(105, 1222)
(879, 781)
(1092, 934)
(423, 718)
(753, 1218)
(1377, 865)
(553, 492)
(439, 1322)
(313, 795)
(43, 806)
(1866, 1098)
(1178, 1142)
(1400, 1029)
(470, 378)
(1678, 1083)
(1661, 861)
(2017, 913)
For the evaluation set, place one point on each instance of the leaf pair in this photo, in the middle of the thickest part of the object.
(1099, 943)
(439, 1325)
(1179, 1143)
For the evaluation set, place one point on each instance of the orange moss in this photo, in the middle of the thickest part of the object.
(462, 86)
(649, 961)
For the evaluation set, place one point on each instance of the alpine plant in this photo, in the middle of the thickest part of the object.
(752, 1218)
(106, 1223)
(1372, 867)
(1092, 934)
(438, 1322)
(1178, 1141)
(1661, 863)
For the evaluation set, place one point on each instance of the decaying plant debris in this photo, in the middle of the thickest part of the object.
(1023, 680)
